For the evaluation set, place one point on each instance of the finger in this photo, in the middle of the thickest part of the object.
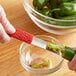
(3, 35)
(6, 24)
(72, 64)
(74, 48)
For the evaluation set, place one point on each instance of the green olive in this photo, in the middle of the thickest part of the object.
(39, 4)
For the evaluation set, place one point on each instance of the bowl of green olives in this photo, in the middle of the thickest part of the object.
(54, 16)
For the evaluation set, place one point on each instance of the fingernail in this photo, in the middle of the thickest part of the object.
(11, 29)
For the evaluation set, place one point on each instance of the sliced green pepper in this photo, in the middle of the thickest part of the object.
(59, 9)
(73, 1)
(68, 9)
(53, 3)
(55, 13)
(46, 12)
(67, 0)
(71, 17)
(39, 4)
(42, 64)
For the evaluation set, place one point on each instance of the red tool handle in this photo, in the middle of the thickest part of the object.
(23, 36)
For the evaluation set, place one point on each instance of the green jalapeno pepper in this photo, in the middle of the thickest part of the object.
(68, 53)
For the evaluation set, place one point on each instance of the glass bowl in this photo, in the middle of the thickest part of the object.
(55, 26)
(30, 54)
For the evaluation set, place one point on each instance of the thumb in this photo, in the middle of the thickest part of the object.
(72, 64)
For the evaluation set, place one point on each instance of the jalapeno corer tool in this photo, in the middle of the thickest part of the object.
(29, 38)
(66, 52)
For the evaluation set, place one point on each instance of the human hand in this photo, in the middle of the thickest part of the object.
(5, 27)
(72, 64)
